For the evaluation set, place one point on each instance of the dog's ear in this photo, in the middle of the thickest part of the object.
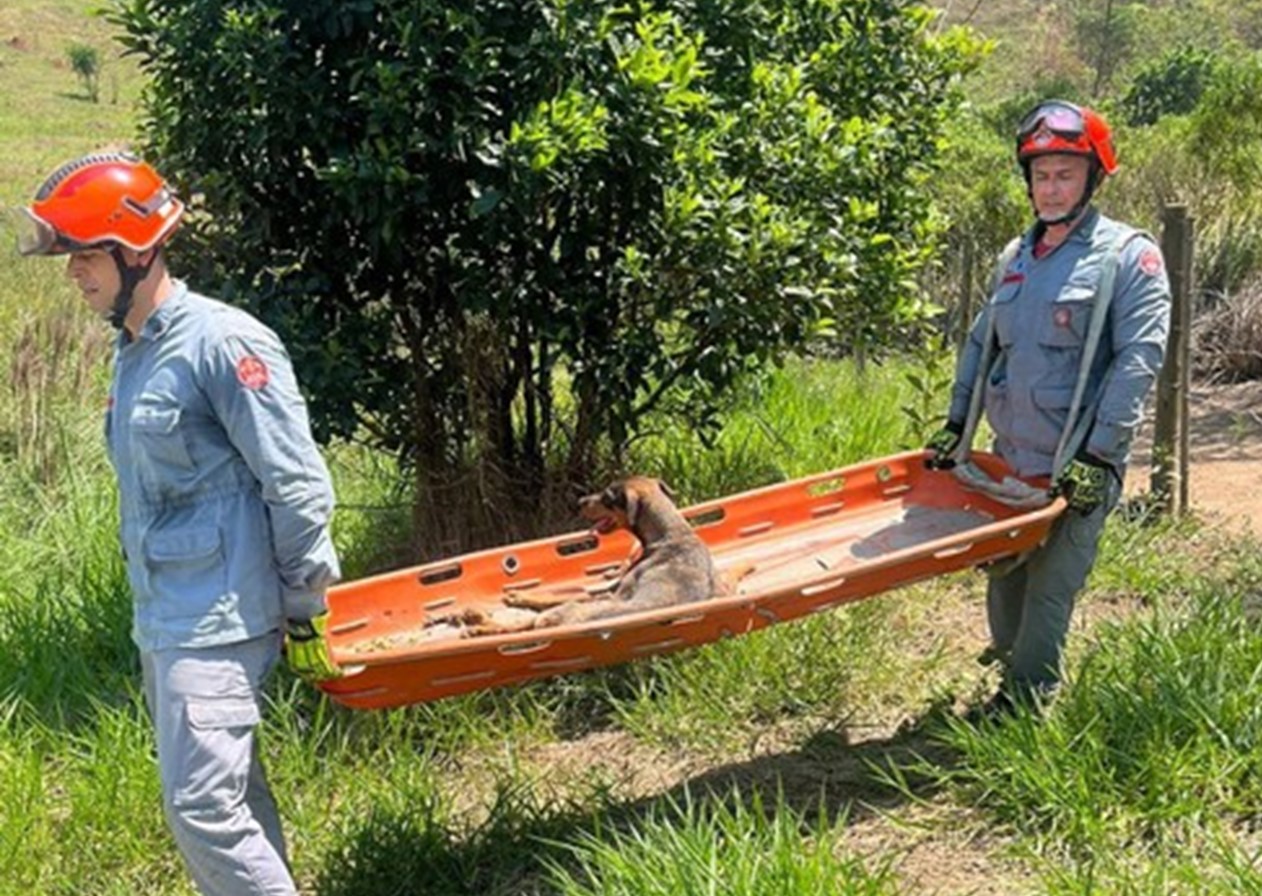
(614, 497)
(666, 489)
(631, 504)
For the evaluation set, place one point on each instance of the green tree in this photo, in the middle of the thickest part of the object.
(498, 233)
(85, 62)
(1172, 84)
(1105, 32)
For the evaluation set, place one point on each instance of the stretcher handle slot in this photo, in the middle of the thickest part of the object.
(706, 517)
(755, 528)
(527, 647)
(439, 604)
(826, 486)
(953, 551)
(550, 665)
(821, 587)
(578, 545)
(523, 585)
(659, 645)
(599, 569)
(826, 509)
(894, 490)
(441, 574)
(343, 628)
(686, 620)
(461, 679)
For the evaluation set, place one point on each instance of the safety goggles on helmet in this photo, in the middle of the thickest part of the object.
(1057, 126)
(1060, 119)
(37, 237)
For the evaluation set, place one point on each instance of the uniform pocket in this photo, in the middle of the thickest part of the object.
(155, 426)
(1066, 321)
(186, 568)
(1056, 398)
(1006, 319)
(214, 756)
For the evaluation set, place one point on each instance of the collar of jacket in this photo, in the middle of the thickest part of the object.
(1083, 232)
(159, 320)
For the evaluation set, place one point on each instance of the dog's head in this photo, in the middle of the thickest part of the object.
(618, 506)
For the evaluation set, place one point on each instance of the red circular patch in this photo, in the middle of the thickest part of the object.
(1150, 262)
(1062, 316)
(252, 372)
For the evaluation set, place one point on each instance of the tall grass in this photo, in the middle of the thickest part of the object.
(1154, 750)
(732, 847)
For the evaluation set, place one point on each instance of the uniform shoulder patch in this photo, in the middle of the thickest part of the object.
(1150, 261)
(252, 372)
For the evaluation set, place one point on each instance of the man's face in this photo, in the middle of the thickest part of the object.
(96, 275)
(1057, 183)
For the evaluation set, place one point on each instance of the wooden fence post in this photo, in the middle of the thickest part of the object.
(1169, 481)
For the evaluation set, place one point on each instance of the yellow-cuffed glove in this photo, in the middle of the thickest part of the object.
(1085, 483)
(307, 649)
(943, 444)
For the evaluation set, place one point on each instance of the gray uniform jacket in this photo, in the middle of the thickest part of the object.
(1041, 309)
(224, 498)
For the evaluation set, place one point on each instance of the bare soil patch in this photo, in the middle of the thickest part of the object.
(1225, 456)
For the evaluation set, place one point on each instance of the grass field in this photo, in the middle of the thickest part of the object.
(818, 757)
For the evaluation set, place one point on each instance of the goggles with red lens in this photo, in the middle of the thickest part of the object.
(1065, 120)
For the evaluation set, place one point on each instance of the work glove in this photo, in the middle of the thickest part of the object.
(307, 649)
(1084, 483)
(943, 444)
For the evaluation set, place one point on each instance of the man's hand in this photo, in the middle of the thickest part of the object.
(307, 649)
(1085, 482)
(943, 444)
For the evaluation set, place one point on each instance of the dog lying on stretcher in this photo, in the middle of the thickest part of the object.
(671, 566)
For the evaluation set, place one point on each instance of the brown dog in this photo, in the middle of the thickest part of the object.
(672, 565)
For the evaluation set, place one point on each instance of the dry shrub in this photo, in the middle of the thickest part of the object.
(54, 361)
(1227, 337)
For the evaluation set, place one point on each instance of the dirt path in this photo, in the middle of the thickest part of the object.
(1225, 444)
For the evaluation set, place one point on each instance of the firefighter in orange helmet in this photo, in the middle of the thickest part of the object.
(1037, 343)
(108, 201)
(224, 503)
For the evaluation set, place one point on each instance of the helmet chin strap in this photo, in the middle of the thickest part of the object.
(130, 276)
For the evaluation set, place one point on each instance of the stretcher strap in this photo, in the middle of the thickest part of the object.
(1010, 490)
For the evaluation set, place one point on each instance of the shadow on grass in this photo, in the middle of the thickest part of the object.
(830, 780)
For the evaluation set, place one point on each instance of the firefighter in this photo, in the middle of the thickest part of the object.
(1031, 335)
(224, 504)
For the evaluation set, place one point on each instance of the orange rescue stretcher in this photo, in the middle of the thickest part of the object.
(804, 546)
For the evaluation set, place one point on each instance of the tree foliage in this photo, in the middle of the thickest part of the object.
(497, 232)
(1171, 84)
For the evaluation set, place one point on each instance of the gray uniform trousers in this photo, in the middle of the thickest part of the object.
(1029, 608)
(204, 704)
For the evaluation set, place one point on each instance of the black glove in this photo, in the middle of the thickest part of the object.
(943, 444)
(1084, 483)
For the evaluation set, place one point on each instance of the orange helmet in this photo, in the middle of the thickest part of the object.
(102, 200)
(1056, 126)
